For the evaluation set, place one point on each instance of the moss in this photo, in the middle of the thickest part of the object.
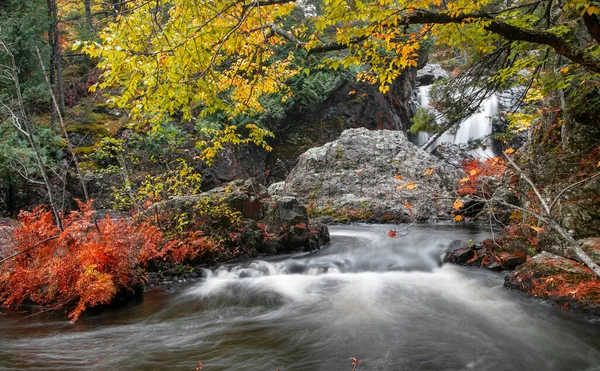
(85, 150)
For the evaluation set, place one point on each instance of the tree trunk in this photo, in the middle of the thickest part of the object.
(87, 4)
(64, 130)
(56, 60)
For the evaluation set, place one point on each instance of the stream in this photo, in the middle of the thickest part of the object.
(386, 301)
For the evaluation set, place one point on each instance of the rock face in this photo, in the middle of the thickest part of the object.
(350, 105)
(240, 162)
(430, 73)
(567, 283)
(373, 175)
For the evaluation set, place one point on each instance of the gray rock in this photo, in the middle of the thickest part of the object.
(374, 172)
(430, 73)
(277, 189)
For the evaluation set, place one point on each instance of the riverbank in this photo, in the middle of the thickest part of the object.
(385, 301)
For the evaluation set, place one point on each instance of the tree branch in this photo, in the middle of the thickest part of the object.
(533, 187)
(28, 249)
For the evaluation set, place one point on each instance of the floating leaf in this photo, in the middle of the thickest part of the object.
(392, 233)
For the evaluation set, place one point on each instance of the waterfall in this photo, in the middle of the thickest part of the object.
(477, 126)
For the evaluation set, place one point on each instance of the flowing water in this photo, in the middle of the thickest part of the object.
(386, 301)
(476, 127)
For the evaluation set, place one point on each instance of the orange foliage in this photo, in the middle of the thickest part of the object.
(190, 245)
(566, 289)
(477, 171)
(86, 265)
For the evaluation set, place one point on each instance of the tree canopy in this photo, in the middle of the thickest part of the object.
(196, 57)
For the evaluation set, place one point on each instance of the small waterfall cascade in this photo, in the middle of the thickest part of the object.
(478, 126)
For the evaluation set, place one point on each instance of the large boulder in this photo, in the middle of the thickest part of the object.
(350, 104)
(567, 283)
(373, 175)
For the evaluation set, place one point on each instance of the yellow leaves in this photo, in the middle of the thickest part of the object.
(458, 218)
(564, 69)
(161, 73)
(509, 151)
(537, 229)
(473, 172)
(229, 134)
(408, 206)
(457, 204)
(592, 9)
(463, 180)
(352, 92)
(429, 172)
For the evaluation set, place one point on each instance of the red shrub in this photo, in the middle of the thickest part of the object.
(83, 266)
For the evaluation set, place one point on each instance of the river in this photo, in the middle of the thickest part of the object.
(386, 301)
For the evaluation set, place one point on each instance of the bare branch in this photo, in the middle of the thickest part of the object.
(28, 249)
(533, 187)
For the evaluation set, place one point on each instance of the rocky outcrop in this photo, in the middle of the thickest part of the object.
(372, 175)
(270, 225)
(566, 282)
(431, 73)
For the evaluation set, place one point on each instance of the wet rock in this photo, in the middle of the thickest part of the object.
(369, 174)
(566, 282)
(459, 253)
(486, 255)
(431, 73)
(510, 259)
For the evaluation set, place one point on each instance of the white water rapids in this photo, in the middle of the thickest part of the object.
(386, 301)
